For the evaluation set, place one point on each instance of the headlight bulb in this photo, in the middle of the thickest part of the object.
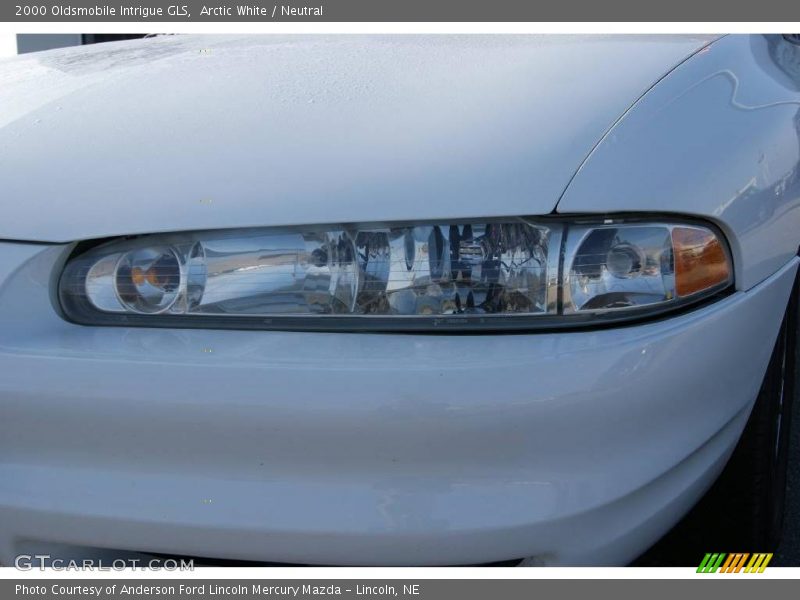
(624, 261)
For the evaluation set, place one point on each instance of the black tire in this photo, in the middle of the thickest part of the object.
(755, 478)
(743, 511)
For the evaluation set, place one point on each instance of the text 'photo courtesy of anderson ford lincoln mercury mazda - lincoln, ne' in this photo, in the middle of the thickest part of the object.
(401, 300)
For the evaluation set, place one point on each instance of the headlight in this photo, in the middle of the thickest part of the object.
(477, 275)
(623, 266)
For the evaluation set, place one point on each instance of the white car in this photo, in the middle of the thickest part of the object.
(425, 300)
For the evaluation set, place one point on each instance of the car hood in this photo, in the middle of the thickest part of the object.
(193, 132)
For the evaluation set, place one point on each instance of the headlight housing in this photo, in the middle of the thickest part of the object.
(489, 274)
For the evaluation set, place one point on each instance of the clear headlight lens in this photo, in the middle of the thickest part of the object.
(626, 266)
(497, 274)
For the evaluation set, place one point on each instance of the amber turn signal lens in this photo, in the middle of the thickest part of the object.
(701, 261)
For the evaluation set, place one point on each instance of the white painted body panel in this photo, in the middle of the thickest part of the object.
(719, 138)
(366, 449)
(574, 448)
(193, 132)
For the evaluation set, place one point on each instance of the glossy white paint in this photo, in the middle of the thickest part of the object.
(576, 448)
(718, 138)
(364, 449)
(195, 132)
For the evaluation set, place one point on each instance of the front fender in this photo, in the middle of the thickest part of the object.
(718, 138)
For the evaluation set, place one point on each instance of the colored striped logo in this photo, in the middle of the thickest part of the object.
(734, 563)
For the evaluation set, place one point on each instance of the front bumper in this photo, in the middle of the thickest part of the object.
(319, 448)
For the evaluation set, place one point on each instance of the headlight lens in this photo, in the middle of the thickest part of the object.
(495, 274)
(627, 266)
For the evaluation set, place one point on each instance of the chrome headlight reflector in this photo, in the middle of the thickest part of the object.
(465, 275)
